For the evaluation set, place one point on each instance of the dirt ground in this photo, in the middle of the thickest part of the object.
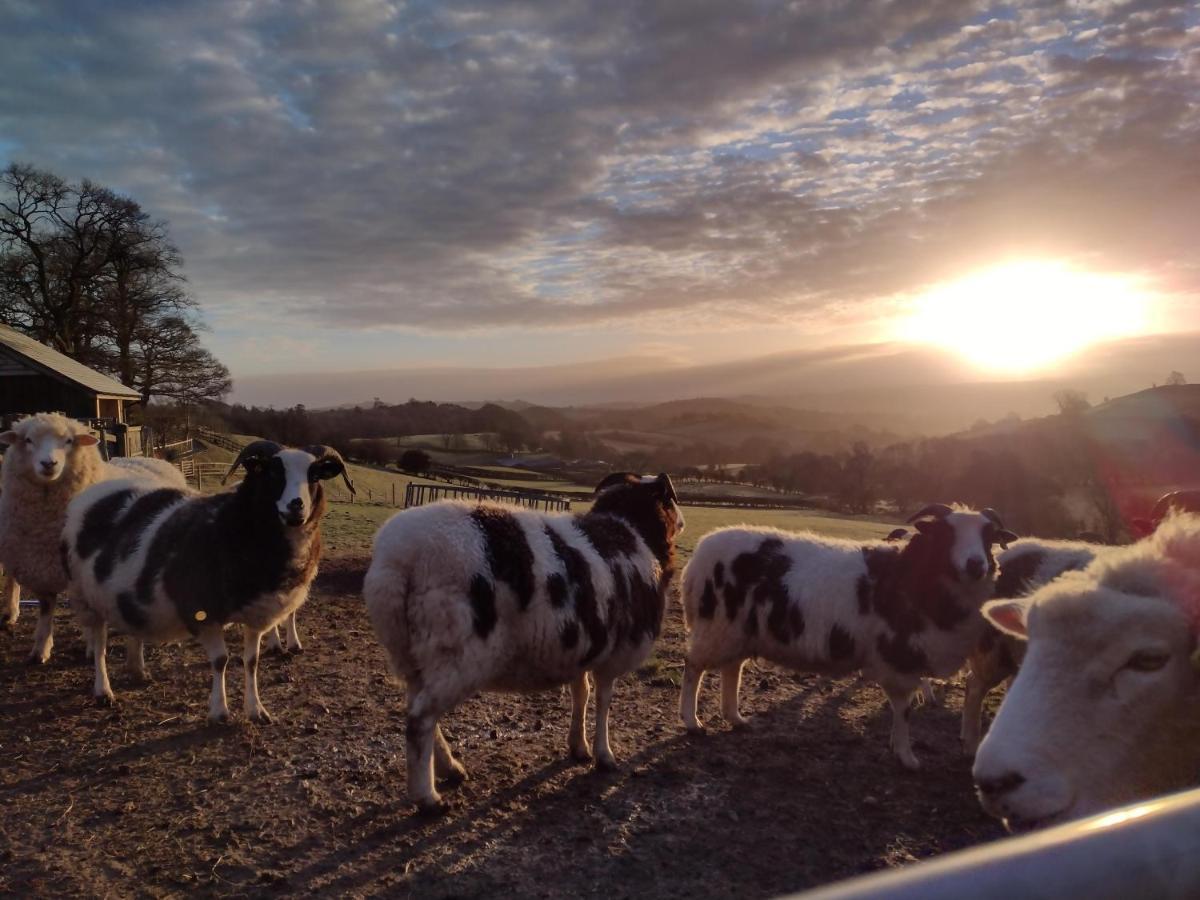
(148, 799)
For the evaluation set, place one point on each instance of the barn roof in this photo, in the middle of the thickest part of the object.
(60, 366)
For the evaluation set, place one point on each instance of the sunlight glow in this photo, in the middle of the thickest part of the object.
(1028, 315)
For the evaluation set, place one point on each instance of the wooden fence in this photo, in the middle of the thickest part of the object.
(420, 494)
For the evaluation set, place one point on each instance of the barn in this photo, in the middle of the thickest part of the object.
(35, 378)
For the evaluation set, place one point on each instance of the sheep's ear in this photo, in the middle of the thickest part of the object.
(1009, 616)
(86, 440)
(9, 437)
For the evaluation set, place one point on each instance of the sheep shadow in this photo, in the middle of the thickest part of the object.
(809, 794)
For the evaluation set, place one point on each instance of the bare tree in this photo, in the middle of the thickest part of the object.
(171, 364)
(1072, 402)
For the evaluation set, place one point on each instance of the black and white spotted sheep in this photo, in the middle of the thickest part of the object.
(468, 598)
(165, 564)
(1024, 567)
(899, 612)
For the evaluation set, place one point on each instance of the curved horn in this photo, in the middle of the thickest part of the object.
(665, 480)
(614, 478)
(992, 516)
(324, 451)
(937, 510)
(253, 450)
(1165, 504)
(896, 535)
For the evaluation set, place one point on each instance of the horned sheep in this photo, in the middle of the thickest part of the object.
(50, 460)
(896, 611)
(485, 597)
(1106, 707)
(167, 563)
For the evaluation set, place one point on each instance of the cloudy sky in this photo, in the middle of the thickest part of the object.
(366, 184)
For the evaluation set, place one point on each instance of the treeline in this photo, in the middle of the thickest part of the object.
(88, 272)
(339, 427)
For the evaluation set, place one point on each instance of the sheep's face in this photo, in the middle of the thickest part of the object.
(291, 479)
(1105, 709)
(965, 539)
(42, 446)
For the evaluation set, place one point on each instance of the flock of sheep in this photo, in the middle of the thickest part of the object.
(1104, 709)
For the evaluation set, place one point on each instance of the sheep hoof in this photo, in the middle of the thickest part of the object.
(581, 754)
(432, 809)
(606, 764)
(696, 730)
(298, 648)
(9, 625)
(105, 700)
(741, 724)
(262, 717)
(139, 679)
(453, 778)
(220, 718)
(37, 659)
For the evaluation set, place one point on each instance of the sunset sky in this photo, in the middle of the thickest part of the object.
(361, 185)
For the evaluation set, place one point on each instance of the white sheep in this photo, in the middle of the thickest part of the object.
(467, 598)
(162, 564)
(1106, 707)
(897, 612)
(50, 460)
(1024, 567)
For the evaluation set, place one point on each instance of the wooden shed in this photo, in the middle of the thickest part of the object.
(35, 378)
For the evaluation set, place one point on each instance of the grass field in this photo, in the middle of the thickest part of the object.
(349, 527)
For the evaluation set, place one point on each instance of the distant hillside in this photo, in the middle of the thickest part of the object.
(902, 388)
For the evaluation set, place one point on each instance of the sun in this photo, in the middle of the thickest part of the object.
(1026, 316)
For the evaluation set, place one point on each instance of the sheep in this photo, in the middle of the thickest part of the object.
(486, 597)
(897, 612)
(1174, 501)
(50, 460)
(1025, 566)
(164, 564)
(1105, 710)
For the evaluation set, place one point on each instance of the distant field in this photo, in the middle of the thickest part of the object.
(349, 527)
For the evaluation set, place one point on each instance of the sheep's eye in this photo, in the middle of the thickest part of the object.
(29, 440)
(70, 441)
(1147, 661)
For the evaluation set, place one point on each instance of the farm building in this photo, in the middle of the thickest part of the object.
(35, 378)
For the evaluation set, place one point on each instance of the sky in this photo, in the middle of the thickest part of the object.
(361, 185)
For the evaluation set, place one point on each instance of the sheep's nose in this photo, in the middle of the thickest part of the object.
(296, 505)
(49, 465)
(1001, 784)
(975, 568)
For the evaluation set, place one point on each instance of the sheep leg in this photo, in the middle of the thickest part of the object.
(274, 644)
(135, 659)
(901, 741)
(101, 688)
(213, 641)
(577, 744)
(929, 694)
(731, 684)
(293, 635)
(986, 670)
(605, 761)
(693, 676)
(445, 766)
(255, 712)
(43, 634)
(11, 603)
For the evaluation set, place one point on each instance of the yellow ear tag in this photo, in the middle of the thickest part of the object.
(202, 615)
(1195, 659)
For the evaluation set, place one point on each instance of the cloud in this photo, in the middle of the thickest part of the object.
(460, 165)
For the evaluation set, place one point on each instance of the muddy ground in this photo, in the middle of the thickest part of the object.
(148, 799)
